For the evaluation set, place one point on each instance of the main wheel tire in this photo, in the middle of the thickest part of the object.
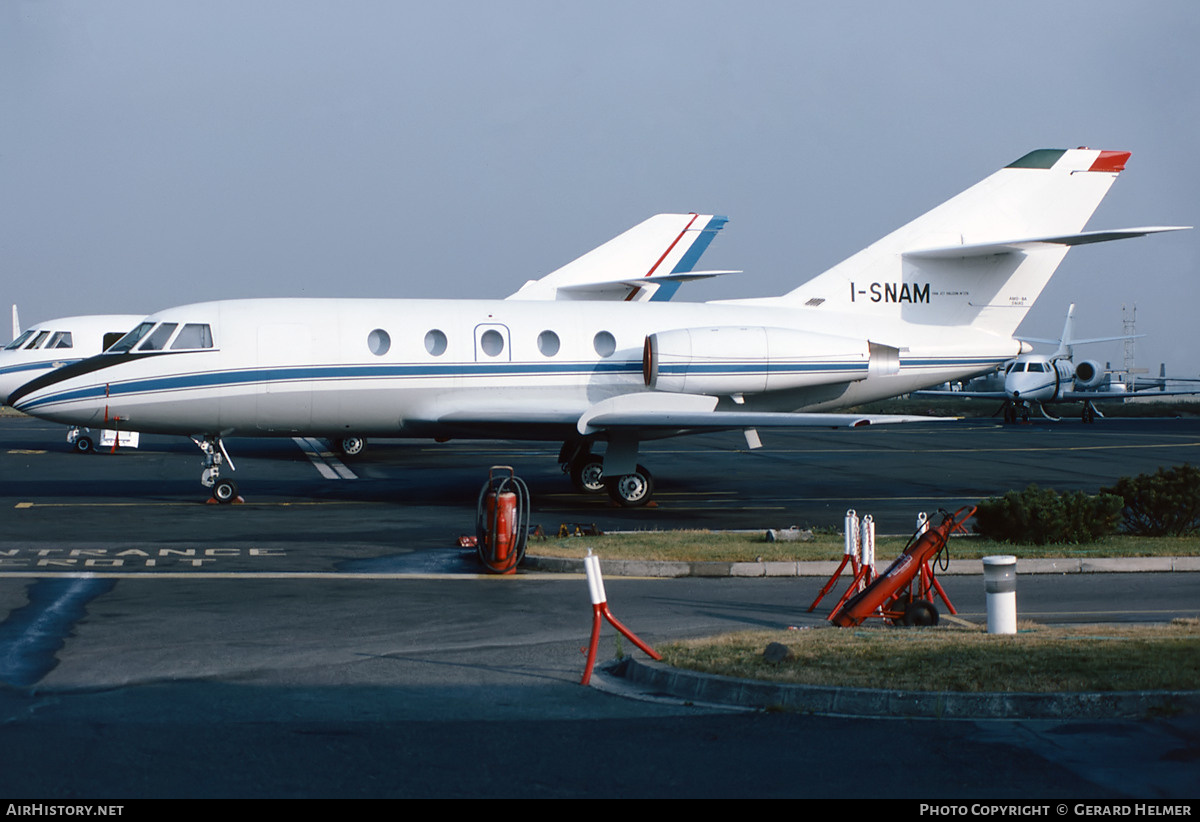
(631, 490)
(920, 612)
(587, 474)
(352, 446)
(83, 445)
(225, 491)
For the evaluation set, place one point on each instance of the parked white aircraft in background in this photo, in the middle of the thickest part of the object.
(939, 299)
(45, 346)
(1055, 378)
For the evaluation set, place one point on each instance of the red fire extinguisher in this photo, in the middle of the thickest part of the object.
(502, 521)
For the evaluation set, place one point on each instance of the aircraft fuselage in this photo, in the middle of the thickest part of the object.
(324, 367)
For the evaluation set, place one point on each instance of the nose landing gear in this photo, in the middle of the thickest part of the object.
(224, 491)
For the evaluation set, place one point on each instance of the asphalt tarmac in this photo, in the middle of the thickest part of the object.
(326, 638)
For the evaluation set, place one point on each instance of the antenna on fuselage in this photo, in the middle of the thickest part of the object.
(16, 323)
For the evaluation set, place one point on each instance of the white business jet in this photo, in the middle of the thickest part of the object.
(43, 347)
(937, 300)
(1044, 379)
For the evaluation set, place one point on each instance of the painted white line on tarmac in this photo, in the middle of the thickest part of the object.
(329, 466)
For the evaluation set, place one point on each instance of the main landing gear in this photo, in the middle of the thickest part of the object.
(631, 490)
(224, 490)
(586, 470)
(351, 446)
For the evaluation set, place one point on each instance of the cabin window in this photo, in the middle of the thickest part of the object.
(131, 339)
(61, 339)
(435, 343)
(38, 340)
(548, 343)
(193, 335)
(604, 343)
(492, 342)
(379, 341)
(158, 340)
(19, 341)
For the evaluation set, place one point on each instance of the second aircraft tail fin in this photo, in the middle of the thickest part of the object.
(647, 254)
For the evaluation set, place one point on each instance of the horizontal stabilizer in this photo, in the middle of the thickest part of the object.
(618, 289)
(649, 254)
(1033, 243)
(1087, 341)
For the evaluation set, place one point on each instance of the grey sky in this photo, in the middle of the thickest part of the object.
(157, 153)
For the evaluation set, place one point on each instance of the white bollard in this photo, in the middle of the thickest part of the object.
(591, 564)
(851, 531)
(1000, 582)
(866, 542)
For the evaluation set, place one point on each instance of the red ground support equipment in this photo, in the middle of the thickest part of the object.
(904, 592)
(502, 521)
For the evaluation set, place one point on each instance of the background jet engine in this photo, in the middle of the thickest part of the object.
(749, 360)
(1089, 374)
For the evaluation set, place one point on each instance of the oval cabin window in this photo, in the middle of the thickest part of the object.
(604, 343)
(548, 343)
(379, 341)
(435, 343)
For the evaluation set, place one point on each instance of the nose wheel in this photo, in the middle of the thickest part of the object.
(225, 491)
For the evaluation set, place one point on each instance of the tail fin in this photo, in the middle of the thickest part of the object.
(1067, 342)
(982, 257)
(649, 261)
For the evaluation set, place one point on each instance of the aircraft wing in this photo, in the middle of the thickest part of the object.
(968, 395)
(692, 412)
(1066, 396)
(643, 263)
(1095, 396)
(657, 412)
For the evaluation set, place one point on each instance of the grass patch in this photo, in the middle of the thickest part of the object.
(1038, 659)
(696, 546)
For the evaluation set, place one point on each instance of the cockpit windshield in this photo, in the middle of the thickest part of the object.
(131, 339)
(38, 340)
(192, 337)
(19, 341)
(61, 339)
(158, 340)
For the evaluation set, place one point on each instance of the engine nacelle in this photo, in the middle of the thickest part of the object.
(749, 360)
(1089, 374)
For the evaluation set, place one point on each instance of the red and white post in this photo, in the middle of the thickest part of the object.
(591, 564)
